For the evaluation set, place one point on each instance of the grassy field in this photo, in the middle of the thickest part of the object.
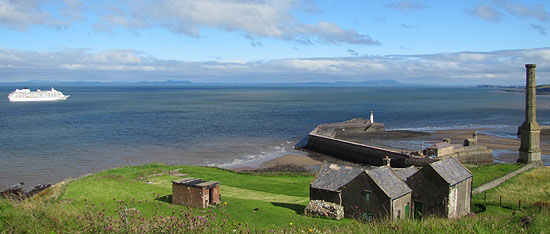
(487, 173)
(114, 201)
(528, 191)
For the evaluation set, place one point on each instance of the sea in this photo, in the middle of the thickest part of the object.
(107, 126)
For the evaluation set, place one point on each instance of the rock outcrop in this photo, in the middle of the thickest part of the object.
(19, 192)
(319, 208)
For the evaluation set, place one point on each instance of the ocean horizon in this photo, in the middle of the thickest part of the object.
(102, 127)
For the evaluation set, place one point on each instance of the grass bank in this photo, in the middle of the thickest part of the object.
(486, 173)
(115, 201)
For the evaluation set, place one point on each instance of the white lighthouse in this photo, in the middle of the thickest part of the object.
(371, 117)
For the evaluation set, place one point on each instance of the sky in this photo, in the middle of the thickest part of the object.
(275, 41)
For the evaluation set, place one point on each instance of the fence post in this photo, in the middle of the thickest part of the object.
(519, 204)
(500, 201)
(485, 197)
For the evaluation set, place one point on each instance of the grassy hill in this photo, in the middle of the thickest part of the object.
(115, 201)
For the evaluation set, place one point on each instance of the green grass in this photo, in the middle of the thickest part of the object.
(261, 203)
(278, 199)
(530, 187)
(487, 173)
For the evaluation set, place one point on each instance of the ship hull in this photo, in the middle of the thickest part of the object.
(39, 99)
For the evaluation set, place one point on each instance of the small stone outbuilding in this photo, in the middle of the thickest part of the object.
(377, 194)
(330, 180)
(366, 193)
(195, 192)
(441, 189)
(440, 149)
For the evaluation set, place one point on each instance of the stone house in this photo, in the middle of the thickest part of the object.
(377, 194)
(195, 192)
(440, 149)
(442, 189)
(365, 193)
(330, 180)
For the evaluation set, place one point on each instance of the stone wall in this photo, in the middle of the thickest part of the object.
(399, 207)
(215, 194)
(190, 196)
(476, 156)
(361, 153)
(460, 197)
(328, 196)
(501, 180)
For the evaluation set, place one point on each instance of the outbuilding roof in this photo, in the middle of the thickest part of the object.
(333, 176)
(451, 170)
(389, 182)
(406, 172)
(194, 182)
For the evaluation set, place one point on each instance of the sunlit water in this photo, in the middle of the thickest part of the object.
(102, 127)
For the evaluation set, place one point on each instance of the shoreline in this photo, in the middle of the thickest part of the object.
(505, 150)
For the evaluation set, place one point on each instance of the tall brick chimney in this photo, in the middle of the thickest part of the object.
(529, 150)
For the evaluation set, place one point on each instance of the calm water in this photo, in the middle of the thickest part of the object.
(105, 127)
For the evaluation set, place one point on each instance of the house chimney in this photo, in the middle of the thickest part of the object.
(387, 161)
(529, 150)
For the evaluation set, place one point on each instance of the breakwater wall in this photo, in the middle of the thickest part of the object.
(474, 156)
(362, 153)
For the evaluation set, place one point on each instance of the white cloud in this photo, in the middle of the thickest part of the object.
(19, 14)
(536, 12)
(407, 6)
(539, 28)
(494, 11)
(269, 18)
(486, 12)
(252, 18)
(22, 14)
(504, 67)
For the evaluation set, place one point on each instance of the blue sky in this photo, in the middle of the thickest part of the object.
(255, 41)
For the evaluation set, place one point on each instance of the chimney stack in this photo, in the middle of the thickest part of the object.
(529, 150)
(387, 161)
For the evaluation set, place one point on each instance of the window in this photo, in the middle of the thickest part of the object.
(367, 196)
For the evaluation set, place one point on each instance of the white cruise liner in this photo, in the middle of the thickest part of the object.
(26, 95)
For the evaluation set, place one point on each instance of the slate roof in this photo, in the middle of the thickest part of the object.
(389, 182)
(452, 171)
(194, 182)
(406, 172)
(333, 177)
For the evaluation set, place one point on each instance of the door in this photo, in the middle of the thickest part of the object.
(418, 210)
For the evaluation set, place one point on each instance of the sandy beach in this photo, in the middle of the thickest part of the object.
(504, 149)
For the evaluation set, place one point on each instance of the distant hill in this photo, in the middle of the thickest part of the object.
(541, 89)
(372, 83)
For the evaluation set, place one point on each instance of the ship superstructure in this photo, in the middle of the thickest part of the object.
(26, 95)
